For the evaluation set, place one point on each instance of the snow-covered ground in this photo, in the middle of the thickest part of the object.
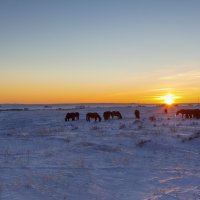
(45, 158)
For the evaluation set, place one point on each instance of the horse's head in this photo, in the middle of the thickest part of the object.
(66, 117)
(120, 116)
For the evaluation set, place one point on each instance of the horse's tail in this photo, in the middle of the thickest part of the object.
(87, 117)
(99, 117)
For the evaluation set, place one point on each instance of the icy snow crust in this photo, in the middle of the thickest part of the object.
(45, 158)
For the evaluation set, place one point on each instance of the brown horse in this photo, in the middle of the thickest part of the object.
(116, 114)
(72, 116)
(182, 112)
(189, 113)
(107, 115)
(137, 114)
(93, 116)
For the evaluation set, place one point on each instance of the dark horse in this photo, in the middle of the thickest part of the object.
(116, 114)
(107, 115)
(184, 113)
(93, 116)
(137, 114)
(73, 116)
(189, 113)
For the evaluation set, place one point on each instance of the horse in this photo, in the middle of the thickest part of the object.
(182, 112)
(116, 114)
(189, 113)
(107, 115)
(93, 116)
(194, 113)
(137, 114)
(73, 116)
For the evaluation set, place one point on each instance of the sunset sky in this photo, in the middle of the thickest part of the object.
(76, 51)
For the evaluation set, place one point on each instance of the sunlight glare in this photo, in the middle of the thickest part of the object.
(169, 99)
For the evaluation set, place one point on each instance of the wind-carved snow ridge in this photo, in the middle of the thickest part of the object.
(152, 158)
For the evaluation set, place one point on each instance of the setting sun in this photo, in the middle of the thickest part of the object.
(169, 99)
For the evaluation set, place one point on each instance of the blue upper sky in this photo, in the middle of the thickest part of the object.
(116, 40)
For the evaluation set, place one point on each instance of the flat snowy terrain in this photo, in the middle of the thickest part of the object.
(45, 158)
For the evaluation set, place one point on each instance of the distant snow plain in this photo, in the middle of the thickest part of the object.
(45, 158)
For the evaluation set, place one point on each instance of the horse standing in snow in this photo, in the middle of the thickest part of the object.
(93, 116)
(189, 113)
(107, 115)
(116, 114)
(72, 116)
(137, 114)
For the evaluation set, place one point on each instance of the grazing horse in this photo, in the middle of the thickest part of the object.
(73, 116)
(185, 113)
(189, 113)
(194, 113)
(182, 112)
(116, 114)
(137, 114)
(93, 116)
(107, 115)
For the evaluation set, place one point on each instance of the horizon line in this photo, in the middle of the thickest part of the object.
(98, 103)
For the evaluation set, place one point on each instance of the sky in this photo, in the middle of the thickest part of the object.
(116, 51)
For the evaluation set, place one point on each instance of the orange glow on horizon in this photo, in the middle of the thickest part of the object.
(57, 94)
(59, 97)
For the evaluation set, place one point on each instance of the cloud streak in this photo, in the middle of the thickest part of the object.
(189, 75)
